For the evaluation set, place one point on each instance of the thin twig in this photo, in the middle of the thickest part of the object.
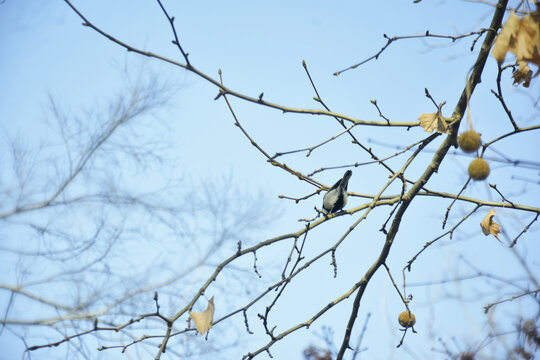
(368, 162)
(429, 243)
(402, 296)
(493, 186)
(310, 149)
(453, 201)
(358, 348)
(499, 95)
(524, 230)
(175, 41)
(519, 130)
(374, 102)
(390, 40)
(489, 306)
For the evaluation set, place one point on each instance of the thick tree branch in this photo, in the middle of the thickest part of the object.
(457, 115)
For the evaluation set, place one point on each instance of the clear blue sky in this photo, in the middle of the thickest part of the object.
(260, 46)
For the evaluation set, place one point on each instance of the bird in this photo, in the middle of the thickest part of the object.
(336, 198)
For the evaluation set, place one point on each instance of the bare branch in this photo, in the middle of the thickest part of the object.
(427, 34)
(489, 306)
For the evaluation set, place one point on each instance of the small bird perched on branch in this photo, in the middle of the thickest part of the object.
(336, 198)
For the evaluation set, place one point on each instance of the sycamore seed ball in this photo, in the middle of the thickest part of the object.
(479, 169)
(469, 141)
(405, 321)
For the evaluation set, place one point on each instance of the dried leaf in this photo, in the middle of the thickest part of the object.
(522, 38)
(203, 319)
(528, 40)
(434, 121)
(506, 38)
(489, 226)
(523, 74)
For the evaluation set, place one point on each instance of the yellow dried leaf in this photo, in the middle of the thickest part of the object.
(433, 121)
(489, 226)
(523, 74)
(522, 38)
(528, 40)
(203, 319)
(506, 38)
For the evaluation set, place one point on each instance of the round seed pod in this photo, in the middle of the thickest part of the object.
(469, 141)
(405, 320)
(478, 169)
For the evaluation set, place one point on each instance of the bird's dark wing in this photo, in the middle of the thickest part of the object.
(335, 186)
(338, 205)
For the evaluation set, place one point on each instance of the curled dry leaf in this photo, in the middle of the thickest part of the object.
(507, 38)
(528, 43)
(522, 38)
(434, 121)
(523, 74)
(489, 226)
(203, 319)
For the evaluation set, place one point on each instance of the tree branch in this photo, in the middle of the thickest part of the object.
(457, 115)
